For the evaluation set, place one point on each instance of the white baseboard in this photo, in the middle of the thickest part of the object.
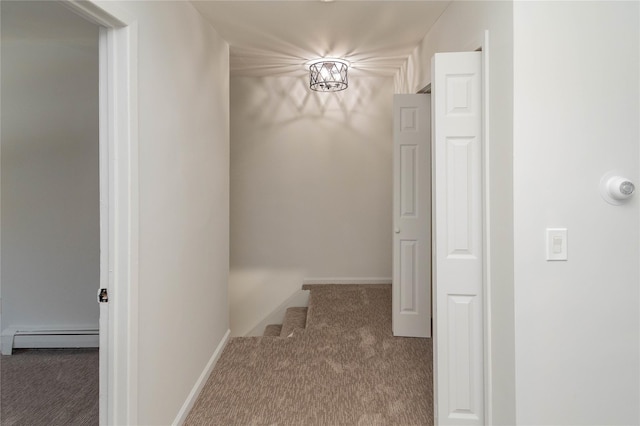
(299, 299)
(202, 380)
(348, 280)
(46, 336)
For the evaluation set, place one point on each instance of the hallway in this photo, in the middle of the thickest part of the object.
(344, 367)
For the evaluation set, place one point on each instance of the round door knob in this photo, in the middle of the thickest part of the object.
(397, 230)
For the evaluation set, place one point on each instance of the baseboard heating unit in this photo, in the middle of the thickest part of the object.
(16, 337)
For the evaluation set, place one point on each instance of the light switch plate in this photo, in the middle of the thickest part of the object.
(557, 244)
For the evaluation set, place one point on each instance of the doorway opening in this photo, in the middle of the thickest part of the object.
(118, 208)
(50, 214)
(460, 286)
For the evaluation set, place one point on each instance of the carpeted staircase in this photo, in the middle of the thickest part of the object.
(333, 363)
(294, 319)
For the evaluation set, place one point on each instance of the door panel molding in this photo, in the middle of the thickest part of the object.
(412, 216)
(458, 238)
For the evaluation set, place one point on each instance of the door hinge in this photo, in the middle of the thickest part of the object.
(103, 295)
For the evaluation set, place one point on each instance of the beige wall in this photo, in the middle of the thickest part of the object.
(183, 99)
(563, 107)
(576, 109)
(311, 188)
(461, 28)
(50, 200)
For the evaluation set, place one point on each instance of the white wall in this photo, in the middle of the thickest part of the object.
(461, 28)
(311, 188)
(576, 109)
(50, 218)
(183, 123)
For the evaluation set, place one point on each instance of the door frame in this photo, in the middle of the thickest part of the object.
(118, 42)
(486, 231)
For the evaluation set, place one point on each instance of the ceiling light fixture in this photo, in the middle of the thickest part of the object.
(328, 75)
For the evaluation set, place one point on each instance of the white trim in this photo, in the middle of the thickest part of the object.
(99, 12)
(202, 380)
(118, 207)
(103, 362)
(123, 206)
(488, 372)
(339, 280)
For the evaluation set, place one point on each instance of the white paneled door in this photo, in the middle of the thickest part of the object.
(458, 255)
(412, 216)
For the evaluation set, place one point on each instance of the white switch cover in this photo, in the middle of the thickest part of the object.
(557, 243)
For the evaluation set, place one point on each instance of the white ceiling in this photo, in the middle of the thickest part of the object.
(271, 37)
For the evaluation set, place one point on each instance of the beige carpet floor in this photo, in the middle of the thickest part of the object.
(344, 368)
(49, 387)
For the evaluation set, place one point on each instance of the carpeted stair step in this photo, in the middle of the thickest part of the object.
(348, 306)
(294, 318)
(272, 330)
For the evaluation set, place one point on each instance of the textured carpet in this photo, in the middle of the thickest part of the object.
(49, 387)
(345, 368)
(294, 319)
(273, 330)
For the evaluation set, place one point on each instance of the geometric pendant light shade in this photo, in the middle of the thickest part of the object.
(328, 75)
